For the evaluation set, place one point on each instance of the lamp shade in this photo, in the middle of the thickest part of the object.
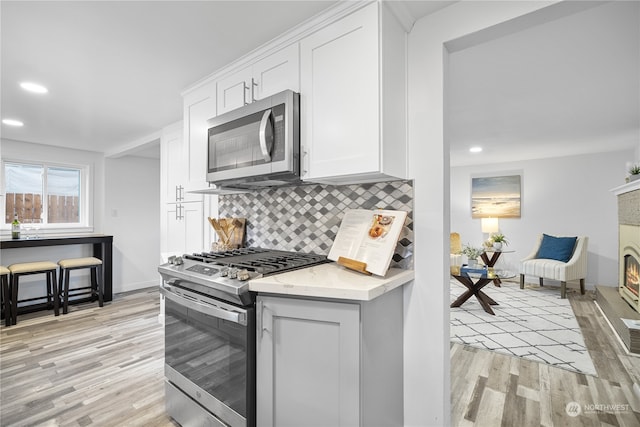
(489, 225)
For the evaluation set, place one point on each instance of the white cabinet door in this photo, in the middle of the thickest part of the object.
(308, 363)
(174, 235)
(339, 83)
(172, 165)
(199, 106)
(234, 91)
(184, 227)
(193, 217)
(275, 73)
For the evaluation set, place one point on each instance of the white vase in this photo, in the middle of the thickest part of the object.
(497, 246)
(472, 262)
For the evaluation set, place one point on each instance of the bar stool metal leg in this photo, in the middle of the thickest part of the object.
(96, 284)
(51, 282)
(14, 299)
(6, 299)
(65, 304)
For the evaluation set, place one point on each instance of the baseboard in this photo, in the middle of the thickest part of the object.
(135, 286)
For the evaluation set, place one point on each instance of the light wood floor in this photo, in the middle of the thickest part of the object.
(103, 367)
(91, 367)
(491, 389)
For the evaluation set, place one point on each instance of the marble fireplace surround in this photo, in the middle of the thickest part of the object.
(620, 306)
(628, 237)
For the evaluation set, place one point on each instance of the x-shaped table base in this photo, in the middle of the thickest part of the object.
(475, 289)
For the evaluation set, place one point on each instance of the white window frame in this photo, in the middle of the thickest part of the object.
(86, 199)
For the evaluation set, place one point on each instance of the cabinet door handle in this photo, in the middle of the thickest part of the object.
(254, 85)
(177, 211)
(244, 93)
(177, 193)
(259, 309)
(305, 162)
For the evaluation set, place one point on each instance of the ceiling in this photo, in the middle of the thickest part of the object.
(568, 86)
(115, 71)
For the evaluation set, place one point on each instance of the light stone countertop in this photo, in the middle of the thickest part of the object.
(332, 281)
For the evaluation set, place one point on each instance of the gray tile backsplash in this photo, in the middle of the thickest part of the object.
(306, 218)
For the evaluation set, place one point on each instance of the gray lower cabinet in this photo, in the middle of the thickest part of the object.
(329, 363)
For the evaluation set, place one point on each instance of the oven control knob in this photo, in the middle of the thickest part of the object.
(233, 273)
(224, 272)
(243, 274)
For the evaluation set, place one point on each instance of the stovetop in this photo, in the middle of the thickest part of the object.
(226, 274)
(261, 261)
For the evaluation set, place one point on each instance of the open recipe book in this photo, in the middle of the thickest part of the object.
(368, 237)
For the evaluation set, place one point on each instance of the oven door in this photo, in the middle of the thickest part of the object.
(209, 357)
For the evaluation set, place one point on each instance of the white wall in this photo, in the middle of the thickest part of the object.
(132, 203)
(564, 196)
(33, 286)
(131, 186)
(426, 328)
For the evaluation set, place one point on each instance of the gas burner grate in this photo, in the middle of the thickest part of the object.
(264, 261)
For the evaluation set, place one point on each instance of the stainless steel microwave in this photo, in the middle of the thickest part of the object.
(257, 145)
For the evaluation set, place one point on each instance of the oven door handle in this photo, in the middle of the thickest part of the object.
(204, 307)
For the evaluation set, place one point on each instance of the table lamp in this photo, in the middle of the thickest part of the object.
(489, 225)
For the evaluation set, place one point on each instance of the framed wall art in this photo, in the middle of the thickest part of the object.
(495, 197)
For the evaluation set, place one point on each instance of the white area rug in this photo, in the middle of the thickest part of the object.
(533, 323)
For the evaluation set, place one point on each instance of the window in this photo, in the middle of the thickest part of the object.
(45, 194)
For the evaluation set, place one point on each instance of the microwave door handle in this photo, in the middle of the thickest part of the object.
(266, 135)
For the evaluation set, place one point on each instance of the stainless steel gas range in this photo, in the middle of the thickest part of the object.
(210, 332)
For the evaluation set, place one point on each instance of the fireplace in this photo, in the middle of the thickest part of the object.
(629, 278)
(629, 245)
(631, 275)
(620, 304)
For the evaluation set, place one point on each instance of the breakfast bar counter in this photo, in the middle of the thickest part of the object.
(102, 246)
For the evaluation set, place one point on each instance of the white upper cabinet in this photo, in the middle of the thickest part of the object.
(199, 106)
(353, 99)
(274, 73)
(182, 228)
(174, 168)
(349, 66)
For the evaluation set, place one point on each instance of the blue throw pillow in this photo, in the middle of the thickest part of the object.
(558, 248)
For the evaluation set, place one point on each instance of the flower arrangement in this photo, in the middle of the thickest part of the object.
(472, 252)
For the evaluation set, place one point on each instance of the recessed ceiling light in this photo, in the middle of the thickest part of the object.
(475, 149)
(33, 87)
(12, 122)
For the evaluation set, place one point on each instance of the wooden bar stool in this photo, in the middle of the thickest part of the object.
(27, 268)
(66, 265)
(4, 294)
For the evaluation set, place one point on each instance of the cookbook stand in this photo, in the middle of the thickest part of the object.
(352, 264)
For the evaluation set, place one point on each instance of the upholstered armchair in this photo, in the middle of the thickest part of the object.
(557, 258)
